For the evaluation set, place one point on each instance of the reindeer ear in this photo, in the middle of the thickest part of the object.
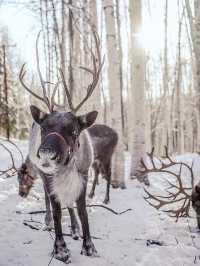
(197, 188)
(37, 114)
(87, 120)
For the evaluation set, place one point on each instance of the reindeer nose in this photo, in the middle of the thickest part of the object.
(48, 153)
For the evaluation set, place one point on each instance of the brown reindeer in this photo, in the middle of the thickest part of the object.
(104, 140)
(195, 198)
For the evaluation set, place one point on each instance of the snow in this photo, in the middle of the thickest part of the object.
(122, 238)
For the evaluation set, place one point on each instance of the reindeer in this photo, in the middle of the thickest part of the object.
(104, 140)
(61, 150)
(195, 198)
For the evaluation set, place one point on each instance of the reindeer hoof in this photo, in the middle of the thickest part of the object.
(63, 254)
(106, 201)
(91, 195)
(89, 249)
(75, 233)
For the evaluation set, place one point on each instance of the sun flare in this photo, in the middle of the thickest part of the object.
(151, 37)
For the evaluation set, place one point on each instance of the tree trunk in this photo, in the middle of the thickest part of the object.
(138, 90)
(115, 91)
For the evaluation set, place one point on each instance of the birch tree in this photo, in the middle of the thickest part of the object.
(114, 90)
(137, 54)
(194, 22)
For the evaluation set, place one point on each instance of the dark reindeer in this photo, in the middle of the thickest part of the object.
(104, 140)
(61, 150)
(195, 198)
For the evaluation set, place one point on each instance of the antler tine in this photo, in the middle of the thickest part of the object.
(18, 149)
(67, 92)
(13, 168)
(176, 193)
(95, 72)
(167, 155)
(48, 102)
(21, 78)
(42, 82)
(151, 157)
(53, 103)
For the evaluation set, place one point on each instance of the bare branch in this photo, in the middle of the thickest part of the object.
(12, 170)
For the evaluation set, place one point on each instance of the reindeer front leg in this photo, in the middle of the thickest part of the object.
(61, 252)
(75, 229)
(48, 216)
(88, 247)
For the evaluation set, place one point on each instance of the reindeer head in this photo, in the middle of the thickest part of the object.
(59, 136)
(25, 180)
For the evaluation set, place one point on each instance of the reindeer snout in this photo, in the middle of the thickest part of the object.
(48, 153)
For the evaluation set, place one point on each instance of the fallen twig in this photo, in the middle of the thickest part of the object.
(108, 209)
(32, 221)
(31, 226)
(52, 256)
(28, 223)
(89, 206)
(151, 242)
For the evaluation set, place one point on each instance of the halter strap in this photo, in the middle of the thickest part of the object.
(75, 145)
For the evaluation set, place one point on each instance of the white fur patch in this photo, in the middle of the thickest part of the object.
(68, 187)
(34, 144)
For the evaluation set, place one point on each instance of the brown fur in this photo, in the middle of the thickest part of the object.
(104, 141)
(195, 198)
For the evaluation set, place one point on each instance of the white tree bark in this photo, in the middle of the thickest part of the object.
(194, 23)
(138, 89)
(115, 91)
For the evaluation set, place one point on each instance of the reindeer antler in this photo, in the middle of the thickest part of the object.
(97, 63)
(50, 103)
(12, 170)
(176, 192)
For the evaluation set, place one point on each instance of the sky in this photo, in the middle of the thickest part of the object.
(23, 29)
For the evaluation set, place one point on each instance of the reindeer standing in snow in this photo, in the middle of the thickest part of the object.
(61, 150)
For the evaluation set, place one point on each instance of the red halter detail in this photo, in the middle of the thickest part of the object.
(75, 145)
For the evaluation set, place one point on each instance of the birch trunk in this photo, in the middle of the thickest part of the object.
(195, 36)
(138, 90)
(115, 91)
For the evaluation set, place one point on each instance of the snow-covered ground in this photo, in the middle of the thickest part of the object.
(122, 239)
